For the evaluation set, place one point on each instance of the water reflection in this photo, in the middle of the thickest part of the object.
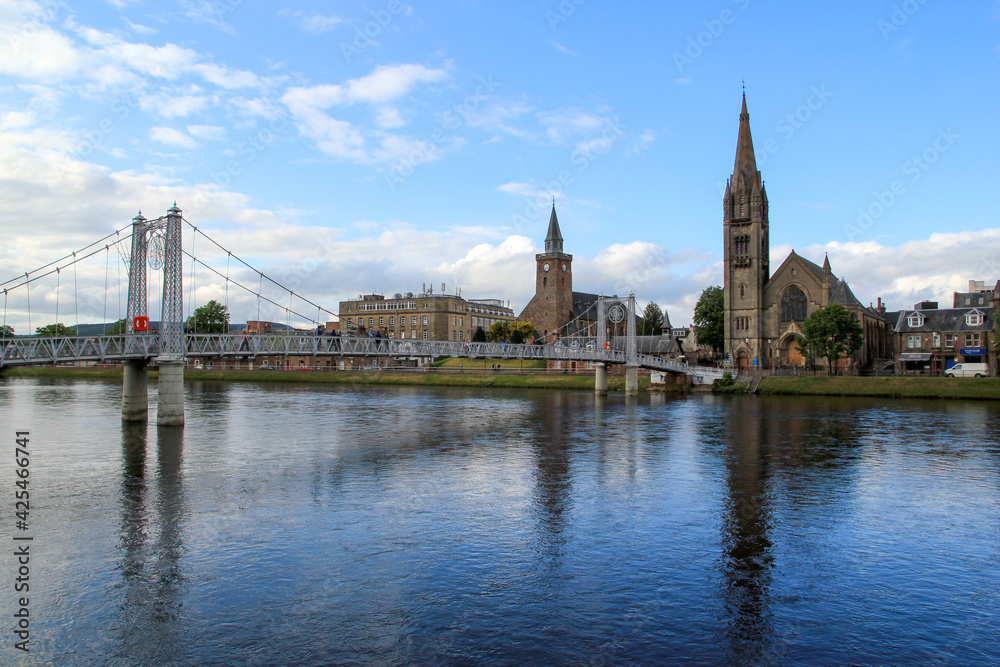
(150, 544)
(553, 480)
(747, 557)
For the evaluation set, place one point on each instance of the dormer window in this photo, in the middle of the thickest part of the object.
(974, 319)
(915, 320)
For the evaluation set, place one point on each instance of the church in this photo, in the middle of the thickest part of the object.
(763, 311)
(556, 310)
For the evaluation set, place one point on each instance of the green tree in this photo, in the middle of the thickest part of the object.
(651, 322)
(709, 319)
(832, 333)
(479, 335)
(213, 317)
(6, 331)
(515, 332)
(118, 327)
(55, 330)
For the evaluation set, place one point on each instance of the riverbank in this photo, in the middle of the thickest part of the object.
(466, 378)
(881, 387)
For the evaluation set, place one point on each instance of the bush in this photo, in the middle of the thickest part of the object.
(725, 381)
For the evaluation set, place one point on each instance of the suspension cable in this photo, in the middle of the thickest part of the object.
(56, 330)
(76, 296)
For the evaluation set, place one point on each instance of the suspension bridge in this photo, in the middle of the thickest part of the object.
(157, 244)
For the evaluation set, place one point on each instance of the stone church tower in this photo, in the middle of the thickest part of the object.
(552, 305)
(746, 255)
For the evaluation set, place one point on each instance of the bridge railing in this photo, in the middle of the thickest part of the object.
(61, 349)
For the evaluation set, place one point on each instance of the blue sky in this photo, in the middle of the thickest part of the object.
(348, 148)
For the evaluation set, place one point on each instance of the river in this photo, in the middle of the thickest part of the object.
(288, 525)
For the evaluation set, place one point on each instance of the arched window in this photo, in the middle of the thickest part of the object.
(794, 305)
(742, 291)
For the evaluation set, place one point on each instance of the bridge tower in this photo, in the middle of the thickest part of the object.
(614, 309)
(158, 243)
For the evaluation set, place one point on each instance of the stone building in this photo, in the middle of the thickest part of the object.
(931, 340)
(763, 313)
(556, 310)
(425, 316)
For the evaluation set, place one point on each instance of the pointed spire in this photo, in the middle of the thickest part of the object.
(745, 165)
(553, 239)
(826, 263)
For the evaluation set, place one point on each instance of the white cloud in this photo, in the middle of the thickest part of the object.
(225, 77)
(561, 126)
(641, 143)
(175, 102)
(319, 24)
(389, 82)
(140, 29)
(171, 137)
(207, 132)
(389, 117)
(560, 48)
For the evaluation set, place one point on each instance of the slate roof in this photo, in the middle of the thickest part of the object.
(945, 320)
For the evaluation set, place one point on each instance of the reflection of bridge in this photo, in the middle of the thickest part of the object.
(158, 244)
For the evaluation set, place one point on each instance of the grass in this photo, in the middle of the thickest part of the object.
(886, 387)
(384, 378)
(480, 364)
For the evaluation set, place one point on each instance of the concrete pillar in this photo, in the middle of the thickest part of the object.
(135, 394)
(600, 379)
(631, 380)
(170, 397)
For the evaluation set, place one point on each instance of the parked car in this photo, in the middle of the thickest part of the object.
(266, 367)
(967, 370)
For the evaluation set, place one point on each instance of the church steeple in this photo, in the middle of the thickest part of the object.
(745, 174)
(553, 239)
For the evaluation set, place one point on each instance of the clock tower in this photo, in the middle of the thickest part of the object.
(552, 305)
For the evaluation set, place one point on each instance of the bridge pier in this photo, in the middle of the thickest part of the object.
(170, 396)
(135, 392)
(600, 379)
(631, 380)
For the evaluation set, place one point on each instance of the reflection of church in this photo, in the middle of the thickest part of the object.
(764, 312)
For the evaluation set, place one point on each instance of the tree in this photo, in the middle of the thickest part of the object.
(118, 327)
(479, 335)
(213, 317)
(6, 331)
(832, 333)
(651, 322)
(709, 319)
(515, 331)
(55, 330)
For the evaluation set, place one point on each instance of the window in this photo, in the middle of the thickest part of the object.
(915, 320)
(391, 321)
(972, 340)
(968, 301)
(980, 301)
(794, 305)
(371, 322)
(974, 319)
(461, 321)
(454, 320)
(425, 320)
(743, 289)
(413, 322)
(460, 336)
(381, 322)
(349, 323)
(949, 341)
(935, 339)
(425, 334)
(413, 333)
(913, 341)
(454, 335)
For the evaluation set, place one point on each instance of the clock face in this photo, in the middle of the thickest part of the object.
(564, 266)
(545, 266)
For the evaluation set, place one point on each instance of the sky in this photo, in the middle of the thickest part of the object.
(348, 148)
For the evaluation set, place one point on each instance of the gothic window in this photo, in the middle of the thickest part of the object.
(793, 305)
(741, 249)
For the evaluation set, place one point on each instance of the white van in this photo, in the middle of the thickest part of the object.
(967, 371)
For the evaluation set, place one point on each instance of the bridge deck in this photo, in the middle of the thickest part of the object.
(117, 348)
